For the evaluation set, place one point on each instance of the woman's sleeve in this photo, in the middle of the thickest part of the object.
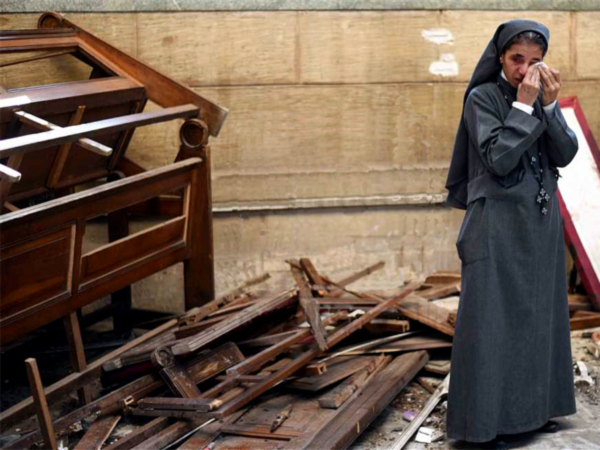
(501, 141)
(560, 142)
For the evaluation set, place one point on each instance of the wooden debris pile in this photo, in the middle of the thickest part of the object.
(309, 367)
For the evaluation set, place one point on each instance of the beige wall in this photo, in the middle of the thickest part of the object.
(328, 108)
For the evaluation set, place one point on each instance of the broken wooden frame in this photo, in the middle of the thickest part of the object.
(47, 239)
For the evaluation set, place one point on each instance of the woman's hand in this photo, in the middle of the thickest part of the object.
(551, 82)
(529, 88)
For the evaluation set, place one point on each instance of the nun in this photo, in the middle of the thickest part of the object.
(511, 357)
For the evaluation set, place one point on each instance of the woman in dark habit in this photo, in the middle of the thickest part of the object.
(511, 357)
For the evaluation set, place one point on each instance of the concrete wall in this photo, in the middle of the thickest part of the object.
(341, 124)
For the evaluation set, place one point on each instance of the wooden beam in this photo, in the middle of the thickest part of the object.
(357, 415)
(26, 408)
(310, 354)
(98, 433)
(31, 142)
(77, 353)
(63, 152)
(205, 337)
(43, 413)
(42, 124)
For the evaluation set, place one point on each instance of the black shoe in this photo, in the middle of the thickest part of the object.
(550, 427)
(497, 443)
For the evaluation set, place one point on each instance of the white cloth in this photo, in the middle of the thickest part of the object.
(548, 109)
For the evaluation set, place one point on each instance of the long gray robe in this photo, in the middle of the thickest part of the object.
(511, 356)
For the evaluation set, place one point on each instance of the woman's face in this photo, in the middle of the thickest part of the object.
(517, 59)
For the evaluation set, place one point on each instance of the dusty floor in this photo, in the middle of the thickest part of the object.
(580, 431)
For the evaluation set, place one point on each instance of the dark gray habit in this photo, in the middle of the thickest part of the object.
(511, 356)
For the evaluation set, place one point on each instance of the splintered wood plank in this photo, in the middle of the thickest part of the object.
(175, 375)
(419, 309)
(311, 309)
(311, 271)
(71, 382)
(140, 435)
(337, 336)
(200, 369)
(98, 433)
(44, 418)
(440, 291)
(408, 344)
(358, 414)
(338, 395)
(335, 373)
(194, 343)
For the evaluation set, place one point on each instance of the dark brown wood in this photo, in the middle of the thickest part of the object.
(198, 368)
(175, 375)
(31, 142)
(334, 374)
(77, 353)
(425, 342)
(223, 300)
(388, 326)
(35, 58)
(267, 341)
(63, 152)
(205, 337)
(167, 435)
(43, 413)
(355, 417)
(338, 395)
(311, 271)
(160, 88)
(121, 301)
(179, 404)
(198, 270)
(423, 311)
(255, 362)
(254, 391)
(104, 270)
(585, 321)
(441, 290)
(95, 437)
(26, 408)
(311, 309)
(141, 434)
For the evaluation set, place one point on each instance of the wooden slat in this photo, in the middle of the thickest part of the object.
(31, 142)
(112, 256)
(77, 353)
(63, 152)
(356, 416)
(98, 433)
(310, 354)
(26, 408)
(140, 435)
(198, 368)
(191, 344)
(43, 413)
